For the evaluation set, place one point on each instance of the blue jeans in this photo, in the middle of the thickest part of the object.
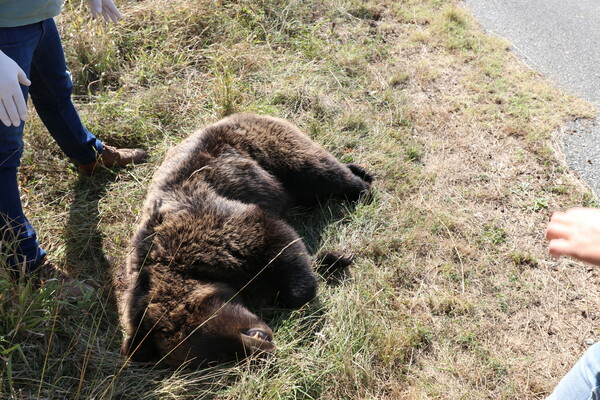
(582, 382)
(38, 50)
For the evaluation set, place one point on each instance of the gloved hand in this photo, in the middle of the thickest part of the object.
(105, 7)
(13, 108)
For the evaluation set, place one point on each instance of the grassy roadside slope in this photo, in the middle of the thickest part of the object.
(452, 296)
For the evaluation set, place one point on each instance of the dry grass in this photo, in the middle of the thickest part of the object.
(453, 295)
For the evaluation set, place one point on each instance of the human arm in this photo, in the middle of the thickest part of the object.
(575, 233)
(106, 8)
(13, 108)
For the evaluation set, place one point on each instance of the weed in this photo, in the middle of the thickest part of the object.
(367, 11)
(399, 79)
(414, 152)
(540, 203)
(494, 235)
(521, 259)
(455, 25)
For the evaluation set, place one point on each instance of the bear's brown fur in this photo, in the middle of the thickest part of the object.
(212, 224)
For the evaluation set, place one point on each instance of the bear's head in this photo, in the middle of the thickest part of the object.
(207, 326)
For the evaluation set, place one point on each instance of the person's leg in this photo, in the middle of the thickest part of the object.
(582, 382)
(51, 89)
(18, 242)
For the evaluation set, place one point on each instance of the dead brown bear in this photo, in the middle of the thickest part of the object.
(211, 224)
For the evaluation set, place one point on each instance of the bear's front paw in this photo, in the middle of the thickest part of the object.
(361, 172)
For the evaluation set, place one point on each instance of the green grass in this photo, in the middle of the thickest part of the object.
(452, 295)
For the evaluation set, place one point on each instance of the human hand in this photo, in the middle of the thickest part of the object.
(105, 7)
(13, 108)
(575, 233)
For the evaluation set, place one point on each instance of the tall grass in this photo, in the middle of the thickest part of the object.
(451, 295)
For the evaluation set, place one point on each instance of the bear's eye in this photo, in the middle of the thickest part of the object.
(257, 334)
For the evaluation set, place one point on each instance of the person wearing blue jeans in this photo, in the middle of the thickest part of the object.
(32, 64)
(583, 380)
(576, 233)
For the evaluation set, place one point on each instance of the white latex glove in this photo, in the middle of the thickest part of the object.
(13, 108)
(106, 8)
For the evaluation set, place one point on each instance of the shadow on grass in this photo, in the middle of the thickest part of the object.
(85, 253)
(70, 339)
(311, 223)
(83, 236)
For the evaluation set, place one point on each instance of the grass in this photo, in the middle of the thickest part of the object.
(452, 296)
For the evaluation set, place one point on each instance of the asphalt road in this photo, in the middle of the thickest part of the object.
(560, 39)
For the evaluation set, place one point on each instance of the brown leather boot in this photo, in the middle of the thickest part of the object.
(113, 157)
